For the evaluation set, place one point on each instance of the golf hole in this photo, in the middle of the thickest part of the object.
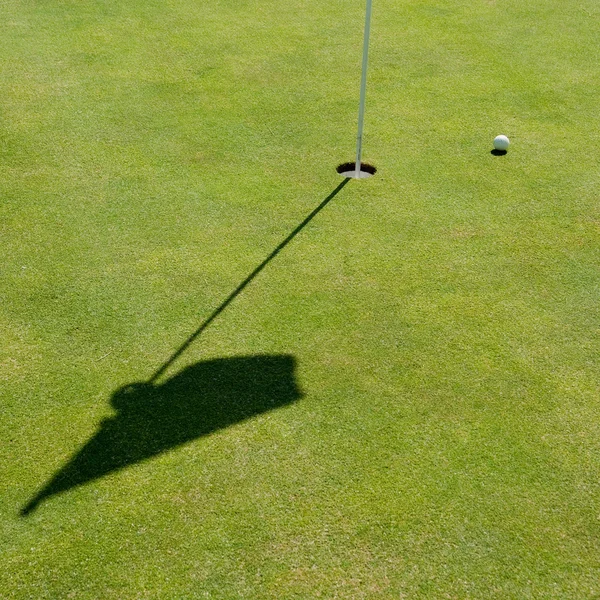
(349, 170)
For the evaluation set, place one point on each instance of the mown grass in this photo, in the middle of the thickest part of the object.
(443, 315)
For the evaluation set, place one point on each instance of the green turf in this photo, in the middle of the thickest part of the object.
(418, 415)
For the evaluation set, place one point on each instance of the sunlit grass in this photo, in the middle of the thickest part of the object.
(442, 316)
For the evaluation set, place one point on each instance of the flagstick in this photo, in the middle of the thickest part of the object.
(363, 90)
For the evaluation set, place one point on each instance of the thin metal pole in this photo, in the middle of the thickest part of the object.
(363, 90)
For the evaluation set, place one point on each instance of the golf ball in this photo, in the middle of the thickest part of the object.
(501, 142)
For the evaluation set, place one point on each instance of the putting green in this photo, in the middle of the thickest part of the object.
(223, 374)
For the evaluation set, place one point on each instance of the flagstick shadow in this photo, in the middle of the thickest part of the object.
(210, 395)
(238, 290)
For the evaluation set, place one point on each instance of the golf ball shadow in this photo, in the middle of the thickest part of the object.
(499, 152)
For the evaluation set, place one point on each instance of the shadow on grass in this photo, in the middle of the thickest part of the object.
(152, 419)
(246, 281)
(211, 395)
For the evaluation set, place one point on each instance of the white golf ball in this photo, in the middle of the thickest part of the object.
(501, 142)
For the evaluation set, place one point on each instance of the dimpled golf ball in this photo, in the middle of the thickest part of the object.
(501, 142)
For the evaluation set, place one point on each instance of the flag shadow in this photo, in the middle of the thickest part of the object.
(152, 419)
(210, 395)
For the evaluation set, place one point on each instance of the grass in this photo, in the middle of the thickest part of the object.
(442, 317)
